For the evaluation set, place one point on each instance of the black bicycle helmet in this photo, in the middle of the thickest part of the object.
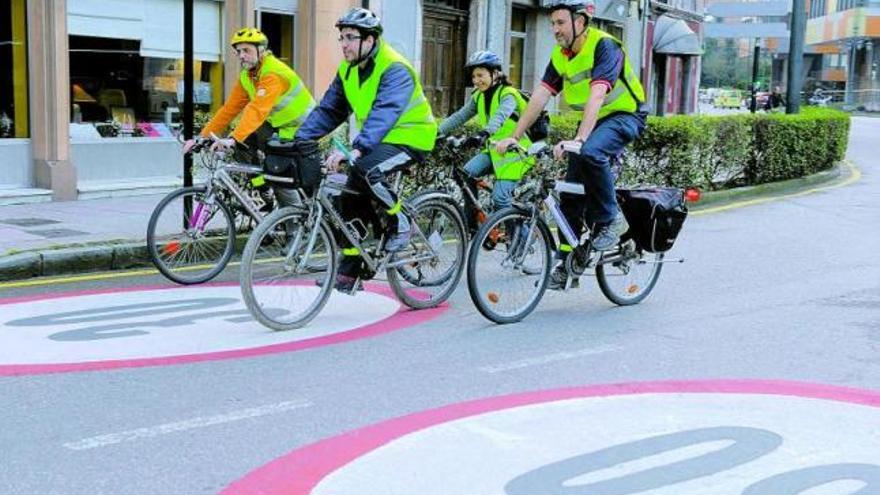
(361, 19)
(483, 58)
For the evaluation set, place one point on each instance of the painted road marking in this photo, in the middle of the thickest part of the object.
(549, 358)
(855, 176)
(157, 325)
(723, 436)
(189, 424)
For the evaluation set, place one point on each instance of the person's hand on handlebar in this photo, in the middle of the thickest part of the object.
(190, 143)
(223, 144)
(504, 145)
(572, 146)
(331, 163)
(477, 140)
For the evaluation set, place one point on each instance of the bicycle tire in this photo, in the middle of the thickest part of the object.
(620, 286)
(487, 294)
(264, 254)
(450, 235)
(187, 274)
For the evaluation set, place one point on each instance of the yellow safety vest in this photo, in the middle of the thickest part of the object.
(416, 127)
(510, 166)
(577, 72)
(293, 106)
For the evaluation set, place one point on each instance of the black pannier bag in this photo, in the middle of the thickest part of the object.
(300, 160)
(655, 216)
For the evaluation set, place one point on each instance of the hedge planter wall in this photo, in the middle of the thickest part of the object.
(712, 152)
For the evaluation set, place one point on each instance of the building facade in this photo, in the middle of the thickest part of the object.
(845, 35)
(91, 89)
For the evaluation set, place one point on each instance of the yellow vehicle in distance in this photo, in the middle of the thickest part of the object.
(728, 98)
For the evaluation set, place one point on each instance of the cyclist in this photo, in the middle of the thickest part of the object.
(590, 68)
(496, 104)
(395, 127)
(270, 97)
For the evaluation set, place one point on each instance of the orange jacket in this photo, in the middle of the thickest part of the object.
(253, 112)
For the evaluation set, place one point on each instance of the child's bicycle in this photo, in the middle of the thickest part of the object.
(507, 279)
(474, 204)
(289, 264)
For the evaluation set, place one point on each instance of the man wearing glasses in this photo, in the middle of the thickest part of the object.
(394, 123)
(269, 95)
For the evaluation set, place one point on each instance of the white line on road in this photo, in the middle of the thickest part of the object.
(189, 424)
(549, 358)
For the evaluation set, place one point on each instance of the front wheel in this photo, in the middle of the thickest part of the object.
(191, 244)
(630, 276)
(509, 265)
(426, 273)
(288, 269)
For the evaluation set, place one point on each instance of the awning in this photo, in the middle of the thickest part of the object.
(674, 36)
(157, 24)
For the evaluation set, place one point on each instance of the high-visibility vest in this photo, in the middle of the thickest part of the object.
(510, 166)
(577, 72)
(293, 106)
(416, 127)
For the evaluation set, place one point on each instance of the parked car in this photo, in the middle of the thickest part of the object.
(728, 98)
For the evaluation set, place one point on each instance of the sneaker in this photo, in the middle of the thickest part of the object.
(559, 277)
(344, 283)
(609, 235)
(397, 241)
(348, 285)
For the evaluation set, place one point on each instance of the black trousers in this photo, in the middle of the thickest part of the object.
(368, 176)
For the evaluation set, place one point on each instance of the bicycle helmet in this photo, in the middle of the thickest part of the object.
(483, 58)
(583, 7)
(361, 19)
(249, 35)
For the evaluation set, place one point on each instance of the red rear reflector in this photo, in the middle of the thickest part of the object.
(692, 195)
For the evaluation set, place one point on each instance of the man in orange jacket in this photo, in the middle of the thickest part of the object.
(269, 95)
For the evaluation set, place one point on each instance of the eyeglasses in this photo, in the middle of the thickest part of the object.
(348, 38)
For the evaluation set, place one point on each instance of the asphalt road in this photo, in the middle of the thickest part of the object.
(784, 290)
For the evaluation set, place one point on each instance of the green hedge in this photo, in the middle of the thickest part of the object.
(717, 152)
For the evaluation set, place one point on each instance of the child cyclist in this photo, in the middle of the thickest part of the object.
(497, 105)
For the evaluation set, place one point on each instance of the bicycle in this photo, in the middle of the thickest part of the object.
(474, 206)
(191, 234)
(507, 281)
(283, 287)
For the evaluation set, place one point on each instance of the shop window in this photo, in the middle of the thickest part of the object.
(13, 70)
(117, 92)
(279, 28)
(518, 22)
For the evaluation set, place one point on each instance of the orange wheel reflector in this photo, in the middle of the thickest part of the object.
(632, 289)
(171, 248)
(493, 297)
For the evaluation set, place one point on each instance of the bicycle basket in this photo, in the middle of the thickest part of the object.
(299, 160)
(655, 216)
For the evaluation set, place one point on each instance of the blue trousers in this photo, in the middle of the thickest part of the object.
(592, 168)
(502, 192)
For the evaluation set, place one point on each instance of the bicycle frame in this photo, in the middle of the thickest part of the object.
(220, 177)
(322, 207)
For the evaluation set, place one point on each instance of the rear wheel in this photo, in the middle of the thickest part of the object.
(426, 273)
(191, 247)
(631, 276)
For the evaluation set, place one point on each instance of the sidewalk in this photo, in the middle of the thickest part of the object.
(74, 236)
(60, 238)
